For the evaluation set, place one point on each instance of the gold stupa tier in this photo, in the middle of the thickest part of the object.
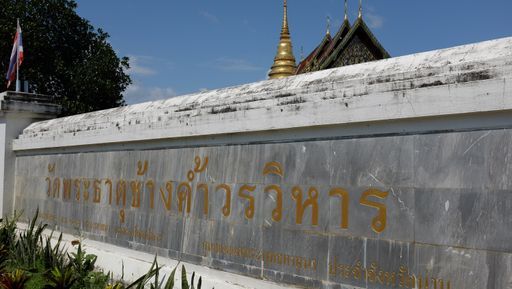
(284, 62)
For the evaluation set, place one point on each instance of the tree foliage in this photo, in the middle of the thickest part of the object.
(65, 55)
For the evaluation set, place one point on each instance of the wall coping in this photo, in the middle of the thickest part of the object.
(469, 79)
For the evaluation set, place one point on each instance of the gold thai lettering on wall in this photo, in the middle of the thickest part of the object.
(66, 195)
(140, 191)
(121, 199)
(226, 209)
(275, 168)
(150, 185)
(184, 196)
(56, 188)
(379, 222)
(244, 193)
(136, 187)
(374, 275)
(77, 185)
(200, 167)
(344, 202)
(142, 168)
(206, 196)
(167, 198)
(301, 206)
(97, 191)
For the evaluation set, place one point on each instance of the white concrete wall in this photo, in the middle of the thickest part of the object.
(471, 79)
(467, 88)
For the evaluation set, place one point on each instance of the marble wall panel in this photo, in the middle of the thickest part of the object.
(473, 160)
(464, 218)
(446, 198)
(458, 268)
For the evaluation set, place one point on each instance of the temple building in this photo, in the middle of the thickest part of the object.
(352, 44)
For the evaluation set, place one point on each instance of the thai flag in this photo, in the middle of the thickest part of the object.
(16, 56)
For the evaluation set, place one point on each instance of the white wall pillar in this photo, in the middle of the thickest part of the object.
(2, 162)
(17, 111)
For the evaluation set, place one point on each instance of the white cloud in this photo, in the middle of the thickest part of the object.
(139, 65)
(161, 93)
(136, 93)
(209, 16)
(375, 21)
(233, 64)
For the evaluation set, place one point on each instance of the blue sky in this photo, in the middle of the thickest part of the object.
(179, 47)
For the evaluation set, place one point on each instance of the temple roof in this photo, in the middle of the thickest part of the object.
(351, 45)
(360, 30)
(314, 58)
(338, 39)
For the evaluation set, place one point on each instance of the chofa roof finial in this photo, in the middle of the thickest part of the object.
(360, 8)
(346, 10)
(328, 25)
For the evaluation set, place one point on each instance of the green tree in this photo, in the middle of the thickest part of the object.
(65, 55)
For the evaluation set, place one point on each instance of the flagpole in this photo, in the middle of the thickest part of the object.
(17, 75)
(18, 61)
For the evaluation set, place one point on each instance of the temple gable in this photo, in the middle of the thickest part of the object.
(351, 45)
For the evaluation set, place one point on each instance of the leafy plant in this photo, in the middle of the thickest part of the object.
(83, 265)
(144, 279)
(199, 282)
(170, 281)
(53, 255)
(115, 286)
(27, 247)
(14, 280)
(8, 231)
(184, 281)
(4, 257)
(153, 273)
(48, 266)
(81, 262)
(61, 279)
(93, 280)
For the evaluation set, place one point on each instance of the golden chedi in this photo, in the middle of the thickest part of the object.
(284, 62)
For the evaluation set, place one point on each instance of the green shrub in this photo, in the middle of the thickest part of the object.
(153, 274)
(29, 260)
(93, 280)
(83, 266)
(60, 279)
(28, 245)
(53, 256)
(14, 280)
(8, 231)
(81, 262)
(4, 258)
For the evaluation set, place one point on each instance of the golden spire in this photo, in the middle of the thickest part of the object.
(360, 8)
(284, 62)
